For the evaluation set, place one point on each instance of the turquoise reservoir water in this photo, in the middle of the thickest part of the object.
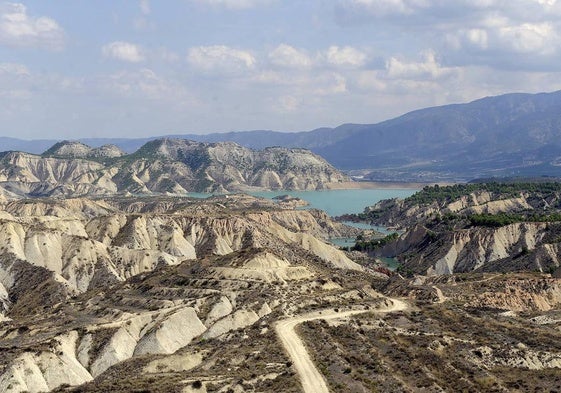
(338, 202)
(334, 202)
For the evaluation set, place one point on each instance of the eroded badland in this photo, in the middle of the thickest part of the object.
(240, 294)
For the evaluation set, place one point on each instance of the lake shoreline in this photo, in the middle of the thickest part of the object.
(337, 202)
(371, 185)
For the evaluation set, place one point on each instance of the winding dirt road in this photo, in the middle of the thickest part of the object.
(311, 378)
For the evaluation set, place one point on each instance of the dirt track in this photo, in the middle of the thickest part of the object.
(312, 380)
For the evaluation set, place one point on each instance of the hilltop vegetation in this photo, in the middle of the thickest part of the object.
(466, 227)
(525, 201)
(438, 194)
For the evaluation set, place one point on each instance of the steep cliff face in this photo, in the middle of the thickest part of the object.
(161, 166)
(514, 247)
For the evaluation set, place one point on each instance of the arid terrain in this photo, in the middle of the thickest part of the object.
(240, 294)
(91, 288)
(162, 166)
(268, 196)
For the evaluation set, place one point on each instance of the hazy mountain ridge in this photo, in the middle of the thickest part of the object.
(490, 134)
(160, 166)
(512, 134)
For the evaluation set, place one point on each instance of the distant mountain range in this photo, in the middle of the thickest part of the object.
(162, 166)
(508, 135)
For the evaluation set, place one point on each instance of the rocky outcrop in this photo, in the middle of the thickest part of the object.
(484, 202)
(46, 370)
(88, 286)
(174, 332)
(473, 249)
(74, 149)
(84, 244)
(264, 267)
(170, 166)
(474, 227)
(73, 359)
(513, 247)
(520, 295)
(236, 320)
(408, 212)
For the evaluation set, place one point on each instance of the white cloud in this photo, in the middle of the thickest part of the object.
(341, 57)
(346, 56)
(17, 28)
(499, 34)
(20, 94)
(427, 69)
(546, 2)
(450, 9)
(141, 84)
(16, 82)
(268, 77)
(382, 7)
(14, 69)
(331, 83)
(370, 80)
(435, 16)
(235, 4)
(221, 59)
(319, 82)
(290, 57)
(145, 7)
(288, 103)
(477, 37)
(528, 37)
(143, 22)
(124, 51)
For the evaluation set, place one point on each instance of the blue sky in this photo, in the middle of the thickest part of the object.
(127, 68)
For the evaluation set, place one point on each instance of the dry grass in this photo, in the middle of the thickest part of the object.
(427, 350)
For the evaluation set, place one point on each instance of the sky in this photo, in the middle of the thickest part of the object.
(129, 68)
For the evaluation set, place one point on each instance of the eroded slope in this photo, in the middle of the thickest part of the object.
(172, 166)
(97, 286)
